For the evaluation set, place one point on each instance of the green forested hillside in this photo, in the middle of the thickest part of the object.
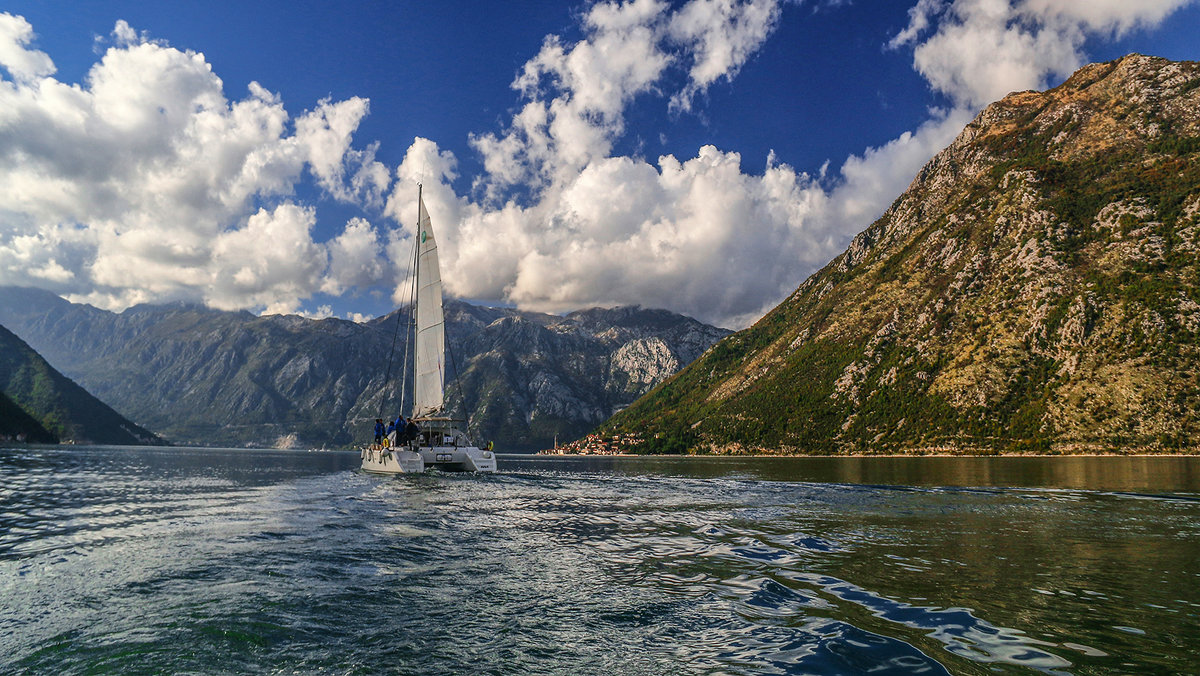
(16, 424)
(33, 391)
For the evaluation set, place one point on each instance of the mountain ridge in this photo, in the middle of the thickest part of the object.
(208, 376)
(1034, 289)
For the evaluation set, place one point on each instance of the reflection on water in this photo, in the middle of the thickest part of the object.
(1113, 473)
(175, 560)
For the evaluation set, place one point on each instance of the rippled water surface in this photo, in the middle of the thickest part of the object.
(215, 561)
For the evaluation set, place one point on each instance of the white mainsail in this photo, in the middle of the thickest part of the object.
(431, 332)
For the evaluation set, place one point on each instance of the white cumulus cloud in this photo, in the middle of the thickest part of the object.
(271, 261)
(22, 63)
(977, 51)
(720, 35)
(577, 94)
(702, 235)
(145, 183)
(357, 259)
(698, 235)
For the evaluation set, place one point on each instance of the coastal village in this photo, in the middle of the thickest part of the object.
(599, 444)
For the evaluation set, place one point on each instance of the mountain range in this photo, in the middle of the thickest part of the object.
(1036, 288)
(202, 376)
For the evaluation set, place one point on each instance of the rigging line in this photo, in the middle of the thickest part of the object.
(392, 352)
(413, 271)
(387, 376)
(458, 382)
(407, 334)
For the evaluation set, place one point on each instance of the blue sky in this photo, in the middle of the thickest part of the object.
(703, 155)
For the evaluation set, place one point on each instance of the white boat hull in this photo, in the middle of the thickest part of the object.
(391, 461)
(446, 458)
(458, 458)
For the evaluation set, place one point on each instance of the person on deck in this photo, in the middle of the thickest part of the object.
(401, 429)
(411, 431)
(378, 430)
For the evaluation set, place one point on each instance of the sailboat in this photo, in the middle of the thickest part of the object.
(440, 441)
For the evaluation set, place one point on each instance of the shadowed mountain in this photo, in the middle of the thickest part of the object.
(45, 406)
(18, 425)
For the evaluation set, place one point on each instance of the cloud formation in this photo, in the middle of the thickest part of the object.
(697, 235)
(22, 63)
(576, 94)
(720, 36)
(701, 235)
(144, 183)
(977, 51)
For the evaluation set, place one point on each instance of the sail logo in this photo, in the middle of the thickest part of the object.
(424, 236)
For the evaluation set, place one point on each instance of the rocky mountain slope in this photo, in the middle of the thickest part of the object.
(39, 404)
(1037, 287)
(204, 376)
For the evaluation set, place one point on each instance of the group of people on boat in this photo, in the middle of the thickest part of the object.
(397, 432)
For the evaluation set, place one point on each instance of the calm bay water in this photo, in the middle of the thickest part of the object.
(217, 561)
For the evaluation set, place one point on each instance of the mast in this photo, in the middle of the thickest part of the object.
(412, 315)
(412, 307)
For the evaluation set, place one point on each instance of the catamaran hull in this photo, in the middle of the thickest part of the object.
(445, 458)
(391, 461)
(459, 458)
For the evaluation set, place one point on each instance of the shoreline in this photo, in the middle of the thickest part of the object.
(941, 454)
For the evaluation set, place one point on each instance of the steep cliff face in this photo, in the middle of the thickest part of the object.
(1036, 287)
(230, 378)
(538, 377)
